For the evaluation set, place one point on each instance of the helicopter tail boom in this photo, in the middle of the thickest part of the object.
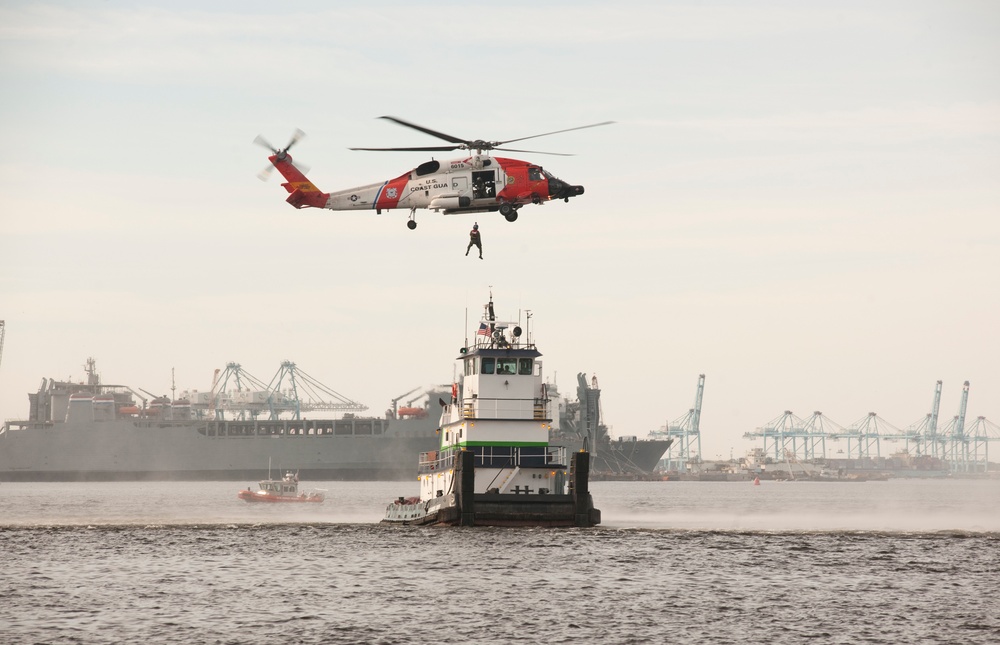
(303, 193)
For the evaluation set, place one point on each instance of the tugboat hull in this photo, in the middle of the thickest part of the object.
(467, 508)
(540, 511)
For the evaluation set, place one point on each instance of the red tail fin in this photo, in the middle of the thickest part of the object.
(304, 193)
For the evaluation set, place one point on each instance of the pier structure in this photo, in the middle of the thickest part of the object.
(686, 433)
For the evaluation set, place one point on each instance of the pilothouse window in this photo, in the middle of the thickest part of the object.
(488, 365)
(524, 367)
(506, 366)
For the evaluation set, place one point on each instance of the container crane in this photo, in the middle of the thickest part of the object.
(787, 434)
(923, 433)
(687, 430)
(246, 399)
(817, 428)
(954, 442)
(212, 394)
(316, 395)
(869, 431)
(981, 433)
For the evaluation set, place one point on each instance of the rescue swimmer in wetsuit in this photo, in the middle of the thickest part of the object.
(475, 239)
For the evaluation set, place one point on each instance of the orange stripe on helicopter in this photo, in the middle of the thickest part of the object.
(392, 192)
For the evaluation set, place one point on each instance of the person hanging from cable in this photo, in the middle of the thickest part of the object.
(475, 238)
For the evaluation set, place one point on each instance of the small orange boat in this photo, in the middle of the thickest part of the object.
(285, 489)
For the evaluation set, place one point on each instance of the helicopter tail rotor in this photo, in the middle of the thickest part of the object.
(281, 155)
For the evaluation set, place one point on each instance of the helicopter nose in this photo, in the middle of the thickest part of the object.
(559, 189)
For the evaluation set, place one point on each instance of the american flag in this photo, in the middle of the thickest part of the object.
(483, 330)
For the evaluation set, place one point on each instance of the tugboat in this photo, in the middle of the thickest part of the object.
(285, 489)
(495, 466)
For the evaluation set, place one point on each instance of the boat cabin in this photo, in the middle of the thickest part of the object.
(499, 412)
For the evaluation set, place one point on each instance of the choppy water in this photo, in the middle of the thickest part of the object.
(877, 562)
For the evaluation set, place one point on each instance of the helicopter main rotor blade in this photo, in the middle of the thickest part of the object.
(296, 137)
(265, 174)
(433, 133)
(261, 141)
(422, 149)
(538, 152)
(535, 136)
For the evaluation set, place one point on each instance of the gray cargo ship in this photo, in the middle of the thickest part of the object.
(96, 432)
(581, 426)
(91, 431)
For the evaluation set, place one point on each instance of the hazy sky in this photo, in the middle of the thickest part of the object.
(800, 200)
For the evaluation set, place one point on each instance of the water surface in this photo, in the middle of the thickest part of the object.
(878, 562)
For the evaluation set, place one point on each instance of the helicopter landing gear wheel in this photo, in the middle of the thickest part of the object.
(508, 211)
(412, 224)
(510, 217)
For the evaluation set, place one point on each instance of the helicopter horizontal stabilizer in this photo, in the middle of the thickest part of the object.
(306, 199)
(304, 193)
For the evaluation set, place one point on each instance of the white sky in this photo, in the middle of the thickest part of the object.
(799, 199)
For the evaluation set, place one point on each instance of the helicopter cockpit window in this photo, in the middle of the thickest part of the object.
(488, 365)
(534, 174)
(524, 366)
(427, 168)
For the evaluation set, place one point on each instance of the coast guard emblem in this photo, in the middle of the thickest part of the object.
(391, 193)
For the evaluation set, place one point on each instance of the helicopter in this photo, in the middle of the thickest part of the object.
(477, 183)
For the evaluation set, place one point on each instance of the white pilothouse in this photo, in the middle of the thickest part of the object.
(495, 465)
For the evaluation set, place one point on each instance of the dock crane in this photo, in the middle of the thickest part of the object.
(981, 432)
(923, 433)
(212, 394)
(304, 393)
(954, 441)
(688, 431)
(934, 414)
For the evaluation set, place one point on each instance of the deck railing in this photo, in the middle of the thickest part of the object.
(481, 408)
(497, 457)
(435, 462)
